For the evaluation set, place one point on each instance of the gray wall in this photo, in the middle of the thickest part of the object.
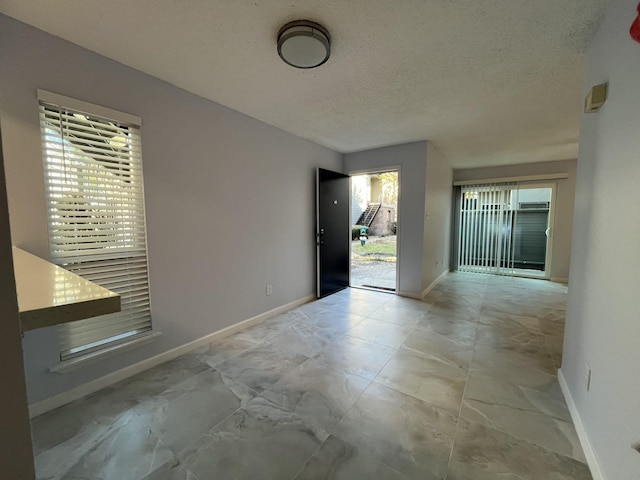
(15, 433)
(603, 319)
(412, 160)
(565, 195)
(425, 188)
(437, 224)
(230, 200)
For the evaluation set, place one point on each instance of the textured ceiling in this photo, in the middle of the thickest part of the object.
(490, 82)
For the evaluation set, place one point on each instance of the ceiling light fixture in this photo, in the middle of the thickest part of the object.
(304, 44)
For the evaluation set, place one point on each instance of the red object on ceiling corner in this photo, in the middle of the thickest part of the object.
(635, 27)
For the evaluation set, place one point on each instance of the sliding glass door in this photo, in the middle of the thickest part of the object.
(505, 229)
(484, 241)
(532, 232)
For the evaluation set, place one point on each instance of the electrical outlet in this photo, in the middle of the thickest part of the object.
(269, 289)
(587, 377)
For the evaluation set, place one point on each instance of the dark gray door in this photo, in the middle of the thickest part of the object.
(332, 231)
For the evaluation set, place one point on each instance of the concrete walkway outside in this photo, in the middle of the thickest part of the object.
(372, 273)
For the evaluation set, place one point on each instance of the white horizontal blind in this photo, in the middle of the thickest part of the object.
(95, 203)
(487, 217)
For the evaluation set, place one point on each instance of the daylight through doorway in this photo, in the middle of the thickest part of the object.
(374, 214)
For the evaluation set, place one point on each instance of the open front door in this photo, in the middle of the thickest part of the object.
(332, 231)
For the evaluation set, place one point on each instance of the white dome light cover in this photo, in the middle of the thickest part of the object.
(304, 44)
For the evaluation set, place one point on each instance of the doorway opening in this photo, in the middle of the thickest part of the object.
(506, 229)
(374, 230)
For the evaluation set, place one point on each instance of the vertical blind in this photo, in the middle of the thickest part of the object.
(485, 229)
(95, 205)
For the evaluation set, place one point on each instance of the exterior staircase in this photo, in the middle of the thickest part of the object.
(369, 214)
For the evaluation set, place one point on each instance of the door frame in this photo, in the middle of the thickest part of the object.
(373, 171)
(550, 226)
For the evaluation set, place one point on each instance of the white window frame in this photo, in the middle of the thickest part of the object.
(109, 248)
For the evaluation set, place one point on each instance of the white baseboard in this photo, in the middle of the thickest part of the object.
(559, 279)
(85, 389)
(589, 452)
(434, 283)
(420, 296)
(409, 295)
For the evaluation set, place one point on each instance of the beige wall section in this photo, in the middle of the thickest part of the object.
(565, 195)
(603, 317)
(230, 200)
(437, 224)
(376, 190)
(16, 456)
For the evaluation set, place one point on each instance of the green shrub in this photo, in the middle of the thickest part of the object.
(394, 227)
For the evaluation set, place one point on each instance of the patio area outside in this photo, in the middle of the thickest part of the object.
(374, 264)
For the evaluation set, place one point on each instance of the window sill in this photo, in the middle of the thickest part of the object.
(78, 362)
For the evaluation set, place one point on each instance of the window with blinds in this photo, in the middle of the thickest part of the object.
(95, 204)
(485, 230)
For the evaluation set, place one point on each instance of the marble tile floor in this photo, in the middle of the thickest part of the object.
(358, 385)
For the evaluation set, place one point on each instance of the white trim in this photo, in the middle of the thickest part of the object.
(559, 279)
(434, 283)
(74, 363)
(85, 389)
(350, 226)
(97, 110)
(378, 170)
(409, 295)
(516, 273)
(375, 170)
(398, 225)
(529, 178)
(587, 447)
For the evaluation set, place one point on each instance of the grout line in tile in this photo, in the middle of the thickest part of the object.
(464, 394)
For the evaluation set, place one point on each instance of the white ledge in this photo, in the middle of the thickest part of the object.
(50, 295)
